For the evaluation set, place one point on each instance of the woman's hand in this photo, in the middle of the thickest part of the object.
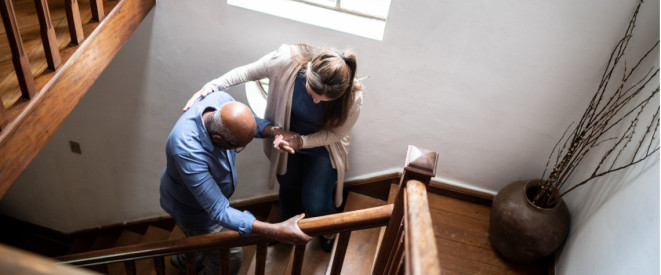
(286, 141)
(281, 145)
(201, 93)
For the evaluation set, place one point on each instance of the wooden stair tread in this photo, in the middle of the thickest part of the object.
(127, 237)
(248, 256)
(361, 249)
(357, 201)
(174, 235)
(153, 234)
(276, 259)
(79, 245)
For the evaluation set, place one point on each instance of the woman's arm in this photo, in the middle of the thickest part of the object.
(326, 137)
(253, 71)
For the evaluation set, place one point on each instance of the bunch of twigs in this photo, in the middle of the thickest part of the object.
(610, 107)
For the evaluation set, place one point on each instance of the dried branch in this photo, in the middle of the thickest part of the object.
(609, 107)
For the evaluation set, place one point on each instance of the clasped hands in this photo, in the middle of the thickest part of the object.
(286, 141)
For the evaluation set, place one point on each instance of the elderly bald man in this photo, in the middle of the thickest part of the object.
(200, 176)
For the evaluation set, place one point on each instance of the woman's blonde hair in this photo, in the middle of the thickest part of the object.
(332, 74)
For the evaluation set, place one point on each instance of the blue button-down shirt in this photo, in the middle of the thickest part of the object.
(200, 177)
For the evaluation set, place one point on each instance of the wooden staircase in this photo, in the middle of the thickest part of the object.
(458, 228)
(359, 255)
(48, 79)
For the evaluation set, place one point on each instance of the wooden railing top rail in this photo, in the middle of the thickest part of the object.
(16, 261)
(421, 248)
(347, 221)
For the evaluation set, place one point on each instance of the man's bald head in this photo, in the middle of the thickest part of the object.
(233, 125)
(239, 121)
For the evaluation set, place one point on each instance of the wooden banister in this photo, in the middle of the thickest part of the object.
(15, 261)
(408, 245)
(39, 118)
(354, 220)
(394, 250)
(423, 256)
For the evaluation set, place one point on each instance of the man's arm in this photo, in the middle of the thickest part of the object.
(287, 231)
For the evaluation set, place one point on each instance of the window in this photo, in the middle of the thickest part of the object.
(366, 18)
(256, 92)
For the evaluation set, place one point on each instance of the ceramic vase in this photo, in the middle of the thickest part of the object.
(522, 231)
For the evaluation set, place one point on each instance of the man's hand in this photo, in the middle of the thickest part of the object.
(286, 232)
(201, 93)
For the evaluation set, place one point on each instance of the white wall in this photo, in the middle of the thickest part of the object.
(490, 85)
(615, 230)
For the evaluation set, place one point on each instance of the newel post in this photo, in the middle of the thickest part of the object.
(420, 165)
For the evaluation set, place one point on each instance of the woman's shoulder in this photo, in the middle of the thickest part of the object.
(283, 56)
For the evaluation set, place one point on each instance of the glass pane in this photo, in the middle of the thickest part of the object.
(264, 84)
(378, 8)
(327, 3)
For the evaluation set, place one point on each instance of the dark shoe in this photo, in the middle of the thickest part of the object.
(178, 262)
(326, 244)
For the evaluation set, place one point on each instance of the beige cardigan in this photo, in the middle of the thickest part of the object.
(281, 70)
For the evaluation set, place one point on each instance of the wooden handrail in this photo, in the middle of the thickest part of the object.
(354, 220)
(421, 247)
(397, 248)
(15, 261)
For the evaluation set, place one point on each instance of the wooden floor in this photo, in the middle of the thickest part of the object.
(462, 238)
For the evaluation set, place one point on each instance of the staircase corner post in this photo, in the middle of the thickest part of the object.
(420, 165)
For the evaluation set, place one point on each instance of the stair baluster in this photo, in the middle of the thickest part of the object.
(340, 252)
(129, 266)
(299, 254)
(75, 25)
(260, 255)
(19, 57)
(48, 38)
(97, 10)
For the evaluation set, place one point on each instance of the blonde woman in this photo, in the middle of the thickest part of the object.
(313, 102)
